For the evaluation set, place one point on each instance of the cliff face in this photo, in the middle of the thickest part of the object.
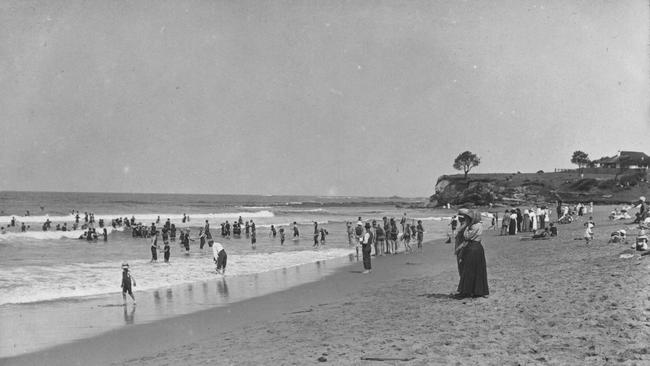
(458, 191)
(485, 189)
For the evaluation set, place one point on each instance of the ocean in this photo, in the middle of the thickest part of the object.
(45, 270)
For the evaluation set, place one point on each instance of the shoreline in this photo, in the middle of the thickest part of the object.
(556, 301)
(72, 319)
(195, 326)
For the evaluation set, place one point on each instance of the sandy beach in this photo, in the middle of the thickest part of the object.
(555, 302)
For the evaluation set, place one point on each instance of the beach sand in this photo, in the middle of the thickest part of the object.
(555, 302)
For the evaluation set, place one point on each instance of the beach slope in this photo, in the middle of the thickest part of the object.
(553, 302)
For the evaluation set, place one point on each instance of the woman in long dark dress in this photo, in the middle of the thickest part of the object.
(512, 228)
(471, 257)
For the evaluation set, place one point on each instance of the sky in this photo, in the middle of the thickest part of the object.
(330, 97)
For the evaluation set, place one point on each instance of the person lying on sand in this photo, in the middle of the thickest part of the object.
(540, 234)
(618, 236)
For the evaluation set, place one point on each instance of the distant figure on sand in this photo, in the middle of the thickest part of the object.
(505, 223)
(589, 233)
(471, 256)
(366, 248)
(358, 234)
(127, 281)
(406, 238)
(392, 237)
(512, 224)
(453, 224)
(380, 240)
(420, 234)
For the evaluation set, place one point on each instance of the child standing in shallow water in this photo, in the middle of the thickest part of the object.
(127, 281)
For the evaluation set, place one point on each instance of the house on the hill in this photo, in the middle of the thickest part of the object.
(624, 160)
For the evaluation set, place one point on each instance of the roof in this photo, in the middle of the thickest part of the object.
(626, 157)
(634, 157)
(607, 160)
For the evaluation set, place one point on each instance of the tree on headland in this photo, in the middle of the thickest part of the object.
(581, 159)
(466, 161)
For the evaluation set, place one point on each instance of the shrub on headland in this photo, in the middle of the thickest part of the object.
(585, 184)
(631, 178)
(607, 184)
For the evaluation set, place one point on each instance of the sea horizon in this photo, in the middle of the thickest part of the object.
(216, 194)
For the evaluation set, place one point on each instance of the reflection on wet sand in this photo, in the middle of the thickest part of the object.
(129, 317)
(222, 288)
(156, 298)
(190, 292)
(204, 286)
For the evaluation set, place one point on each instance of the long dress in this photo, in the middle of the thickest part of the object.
(472, 266)
(473, 271)
(512, 227)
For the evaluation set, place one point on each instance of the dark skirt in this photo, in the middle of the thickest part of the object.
(512, 230)
(473, 271)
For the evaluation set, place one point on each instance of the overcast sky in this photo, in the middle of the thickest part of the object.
(312, 97)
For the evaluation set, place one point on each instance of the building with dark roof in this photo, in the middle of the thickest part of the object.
(624, 160)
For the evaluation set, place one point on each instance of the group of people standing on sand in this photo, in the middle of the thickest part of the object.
(383, 238)
(529, 220)
(468, 249)
(386, 236)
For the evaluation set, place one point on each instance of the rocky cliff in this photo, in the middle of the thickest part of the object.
(507, 189)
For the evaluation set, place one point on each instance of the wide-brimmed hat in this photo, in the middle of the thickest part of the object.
(125, 265)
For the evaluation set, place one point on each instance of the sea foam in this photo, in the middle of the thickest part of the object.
(43, 283)
(145, 218)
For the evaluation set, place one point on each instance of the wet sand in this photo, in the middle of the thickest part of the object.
(554, 302)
